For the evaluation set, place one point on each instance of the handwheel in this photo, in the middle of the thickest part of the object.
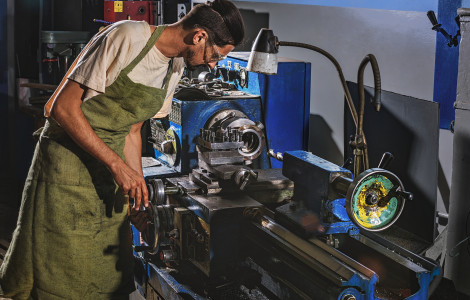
(375, 199)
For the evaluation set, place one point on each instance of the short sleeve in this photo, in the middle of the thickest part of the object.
(108, 53)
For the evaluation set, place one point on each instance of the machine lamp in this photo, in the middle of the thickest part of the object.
(263, 56)
(263, 59)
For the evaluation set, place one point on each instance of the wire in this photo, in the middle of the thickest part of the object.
(466, 239)
(466, 233)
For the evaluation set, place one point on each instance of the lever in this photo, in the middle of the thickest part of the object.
(406, 195)
(432, 17)
(275, 155)
(243, 177)
(386, 159)
(452, 41)
(347, 163)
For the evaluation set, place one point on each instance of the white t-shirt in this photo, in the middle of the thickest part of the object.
(116, 47)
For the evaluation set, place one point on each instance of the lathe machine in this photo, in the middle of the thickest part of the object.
(223, 225)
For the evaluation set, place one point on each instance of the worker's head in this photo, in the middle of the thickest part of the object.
(216, 28)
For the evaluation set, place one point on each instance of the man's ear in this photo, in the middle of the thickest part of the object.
(199, 36)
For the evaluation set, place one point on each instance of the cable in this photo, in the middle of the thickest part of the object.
(466, 239)
(466, 233)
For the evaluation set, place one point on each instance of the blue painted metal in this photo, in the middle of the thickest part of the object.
(167, 286)
(421, 5)
(344, 225)
(364, 284)
(312, 189)
(353, 292)
(160, 279)
(340, 227)
(446, 63)
(425, 280)
(194, 115)
(311, 176)
(337, 208)
(285, 102)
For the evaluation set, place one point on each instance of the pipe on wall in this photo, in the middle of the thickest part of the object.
(457, 261)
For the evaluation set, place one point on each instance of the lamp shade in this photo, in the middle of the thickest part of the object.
(263, 56)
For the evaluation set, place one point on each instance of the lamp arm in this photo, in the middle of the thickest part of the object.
(347, 94)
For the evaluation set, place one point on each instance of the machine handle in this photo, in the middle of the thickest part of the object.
(395, 193)
(386, 159)
(432, 17)
(347, 163)
(406, 195)
(275, 155)
(247, 178)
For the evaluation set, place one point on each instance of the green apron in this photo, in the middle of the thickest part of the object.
(72, 239)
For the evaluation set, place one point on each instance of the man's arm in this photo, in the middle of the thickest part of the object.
(133, 148)
(133, 154)
(67, 112)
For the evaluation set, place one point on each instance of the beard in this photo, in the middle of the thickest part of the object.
(188, 60)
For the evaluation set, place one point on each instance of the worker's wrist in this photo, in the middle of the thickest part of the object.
(115, 164)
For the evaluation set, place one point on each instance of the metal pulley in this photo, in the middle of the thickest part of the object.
(158, 191)
(160, 215)
(375, 199)
(160, 225)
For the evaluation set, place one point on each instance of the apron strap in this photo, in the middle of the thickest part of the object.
(166, 80)
(151, 43)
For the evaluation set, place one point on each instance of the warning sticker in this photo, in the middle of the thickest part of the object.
(118, 6)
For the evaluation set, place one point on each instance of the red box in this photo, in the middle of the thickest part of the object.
(131, 10)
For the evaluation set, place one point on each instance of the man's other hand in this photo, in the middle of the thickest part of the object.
(131, 183)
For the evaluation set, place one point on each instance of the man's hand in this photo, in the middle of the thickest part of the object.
(139, 219)
(131, 183)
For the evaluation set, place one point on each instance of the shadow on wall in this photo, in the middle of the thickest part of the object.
(408, 128)
(320, 140)
(253, 23)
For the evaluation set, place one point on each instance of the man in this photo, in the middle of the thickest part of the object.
(72, 239)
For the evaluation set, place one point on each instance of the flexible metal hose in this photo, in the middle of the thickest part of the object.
(347, 94)
(369, 58)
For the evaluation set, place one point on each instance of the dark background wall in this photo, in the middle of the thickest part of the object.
(3, 89)
(21, 22)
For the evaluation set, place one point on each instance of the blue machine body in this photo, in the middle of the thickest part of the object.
(187, 118)
(281, 102)
(285, 101)
(312, 189)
